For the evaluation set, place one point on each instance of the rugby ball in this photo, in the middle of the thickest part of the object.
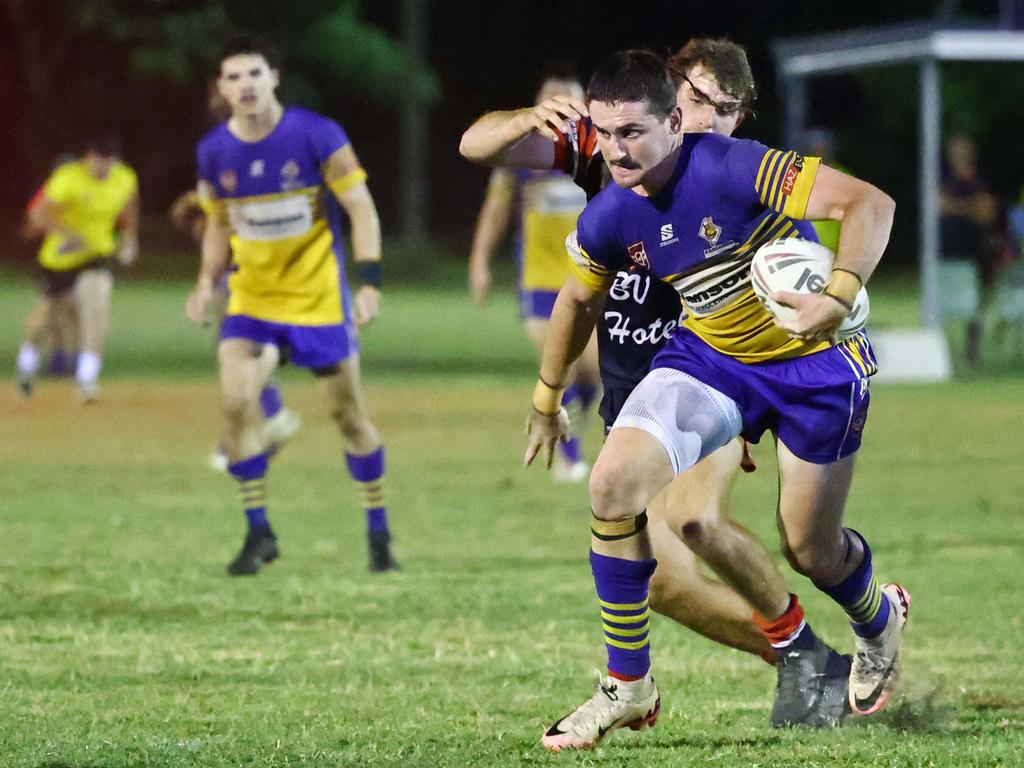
(801, 266)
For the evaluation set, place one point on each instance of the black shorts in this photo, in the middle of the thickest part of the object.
(56, 283)
(611, 403)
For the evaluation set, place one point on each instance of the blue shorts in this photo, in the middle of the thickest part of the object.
(307, 346)
(816, 405)
(535, 304)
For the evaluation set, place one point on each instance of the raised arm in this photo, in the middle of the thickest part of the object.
(521, 138)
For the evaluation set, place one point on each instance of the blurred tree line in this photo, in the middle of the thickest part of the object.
(139, 68)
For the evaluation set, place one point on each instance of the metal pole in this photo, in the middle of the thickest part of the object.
(413, 128)
(931, 151)
(794, 115)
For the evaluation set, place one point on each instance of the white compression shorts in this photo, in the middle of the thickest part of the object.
(690, 419)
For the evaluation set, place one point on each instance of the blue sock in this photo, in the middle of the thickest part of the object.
(571, 449)
(860, 595)
(368, 472)
(270, 400)
(622, 592)
(251, 475)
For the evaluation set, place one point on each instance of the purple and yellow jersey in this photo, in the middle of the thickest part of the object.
(285, 222)
(548, 204)
(725, 198)
(89, 207)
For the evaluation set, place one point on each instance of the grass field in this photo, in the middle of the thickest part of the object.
(123, 643)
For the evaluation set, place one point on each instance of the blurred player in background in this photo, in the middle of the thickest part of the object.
(546, 203)
(732, 369)
(280, 423)
(58, 327)
(89, 212)
(715, 90)
(270, 181)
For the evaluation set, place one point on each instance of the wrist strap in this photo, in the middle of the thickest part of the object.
(846, 304)
(547, 399)
(369, 273)
(844, 286)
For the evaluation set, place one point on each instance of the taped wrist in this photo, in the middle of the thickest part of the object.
(547, 399)
(614, 530)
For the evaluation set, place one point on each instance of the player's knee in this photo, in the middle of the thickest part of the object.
(614, 494)
(810, 559)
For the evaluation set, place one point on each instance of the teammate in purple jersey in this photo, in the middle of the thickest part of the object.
(273, 183)
(731, 369)
(715, 90)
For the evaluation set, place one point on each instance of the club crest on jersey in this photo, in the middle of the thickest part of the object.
(256, 168)
(290, 176)
(228, 180)
(709, 231)
(638, 254)
(789, 179)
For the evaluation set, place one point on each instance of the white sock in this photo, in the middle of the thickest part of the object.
(28, 359)
(88, 368)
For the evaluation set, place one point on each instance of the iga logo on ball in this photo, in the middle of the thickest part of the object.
(800, 266)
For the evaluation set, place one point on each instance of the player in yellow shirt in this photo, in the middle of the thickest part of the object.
(89, 211)
(547, 203)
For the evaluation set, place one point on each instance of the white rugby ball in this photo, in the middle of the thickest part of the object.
(801, 266)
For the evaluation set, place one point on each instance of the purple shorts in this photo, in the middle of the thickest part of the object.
(816, 405)
(536, 304)
(307, 346)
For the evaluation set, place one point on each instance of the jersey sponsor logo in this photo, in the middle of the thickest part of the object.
(638, 254)
(789, 180)
(619, 330)
(228, 180)
(267, 220)
(710, 297)
(630, 286)
(256, 168)
(667, 235)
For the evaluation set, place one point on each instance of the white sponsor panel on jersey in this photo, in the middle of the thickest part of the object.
(264, 220)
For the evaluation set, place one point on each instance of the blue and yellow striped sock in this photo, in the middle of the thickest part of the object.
(368, 472)
(251, 475)
(625, 616)
(860, 595)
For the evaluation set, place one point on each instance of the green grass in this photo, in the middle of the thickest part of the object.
(122, 642)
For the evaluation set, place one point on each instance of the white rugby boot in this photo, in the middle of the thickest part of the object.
(876, 665)
(616, 704)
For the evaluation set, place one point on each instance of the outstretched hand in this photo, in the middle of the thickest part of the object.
(544, 431)
(818, 315)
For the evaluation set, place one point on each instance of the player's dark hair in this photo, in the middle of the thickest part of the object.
(726, 60)
(248, 44)
(105, 144)
(634, 75)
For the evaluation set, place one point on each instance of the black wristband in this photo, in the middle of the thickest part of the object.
(369, 273)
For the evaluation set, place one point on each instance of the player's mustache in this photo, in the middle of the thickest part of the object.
(626, 164)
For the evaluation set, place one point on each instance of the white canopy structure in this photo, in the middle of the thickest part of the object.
(923, 44)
